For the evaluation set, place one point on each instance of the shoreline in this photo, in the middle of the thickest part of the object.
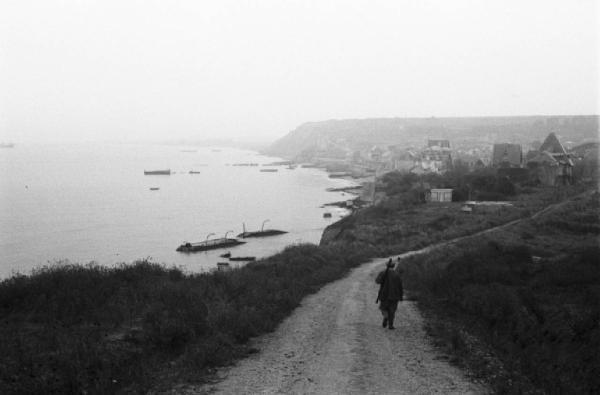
(112, 255)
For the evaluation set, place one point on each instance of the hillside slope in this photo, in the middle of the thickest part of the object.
(360, 133)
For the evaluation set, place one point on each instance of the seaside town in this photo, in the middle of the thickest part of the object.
(548, 163)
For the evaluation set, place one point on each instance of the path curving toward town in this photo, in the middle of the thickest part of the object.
(334, 344)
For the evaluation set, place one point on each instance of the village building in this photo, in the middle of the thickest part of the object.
(376, 154)
(479, 164)
(551, 164)
(438, 143)
(507, 155)
(440, 195)
(436, 157)
(402, 159)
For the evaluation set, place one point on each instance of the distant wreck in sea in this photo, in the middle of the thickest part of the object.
(260, 233)
(209, 245)
(166, 172)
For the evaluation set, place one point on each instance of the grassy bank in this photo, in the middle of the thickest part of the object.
(92, 329)
(398, 224)
(528, 294)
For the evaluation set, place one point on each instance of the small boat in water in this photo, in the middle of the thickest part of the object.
(208, 245)
(225, 255)
(194, 172)
(242, 258)
(326, 215)
(7, 145)
(166, 172)
(154, 188)
(268, 170)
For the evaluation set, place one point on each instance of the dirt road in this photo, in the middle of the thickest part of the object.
(334, 344)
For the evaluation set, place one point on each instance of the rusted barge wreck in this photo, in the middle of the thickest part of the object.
(261, 233)
(209, 245)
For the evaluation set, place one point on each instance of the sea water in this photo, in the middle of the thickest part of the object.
(92, 203)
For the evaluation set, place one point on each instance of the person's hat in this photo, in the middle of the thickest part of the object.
(390, 263)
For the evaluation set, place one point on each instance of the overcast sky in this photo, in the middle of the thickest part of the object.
(130, 70)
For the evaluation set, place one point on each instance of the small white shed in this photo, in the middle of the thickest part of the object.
(440, 195)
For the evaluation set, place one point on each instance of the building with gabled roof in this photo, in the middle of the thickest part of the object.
(507, 155)
(552, 145)
(437, 156)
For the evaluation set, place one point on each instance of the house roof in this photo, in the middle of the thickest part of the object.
(510, 153)
(552, 145)
(438, 143)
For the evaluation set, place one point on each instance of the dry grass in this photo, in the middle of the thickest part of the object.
(92, 329)
(531, 293)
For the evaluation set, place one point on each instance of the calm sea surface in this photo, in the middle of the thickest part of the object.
(92, 202)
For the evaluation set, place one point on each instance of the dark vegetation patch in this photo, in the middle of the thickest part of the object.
(93, 329)
(392, 226)
(539, 315)
(484, 184)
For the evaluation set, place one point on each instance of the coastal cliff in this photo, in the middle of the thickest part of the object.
(356, 134)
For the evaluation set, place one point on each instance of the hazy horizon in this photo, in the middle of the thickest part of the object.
(158, 71)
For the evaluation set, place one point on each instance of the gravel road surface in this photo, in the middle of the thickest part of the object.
(334, 344)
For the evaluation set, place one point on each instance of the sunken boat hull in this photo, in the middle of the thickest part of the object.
(209, 245)
(261, 233)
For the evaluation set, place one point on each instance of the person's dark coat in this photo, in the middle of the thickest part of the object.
(392, 287)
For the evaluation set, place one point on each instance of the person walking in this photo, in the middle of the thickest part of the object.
(390, 293)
